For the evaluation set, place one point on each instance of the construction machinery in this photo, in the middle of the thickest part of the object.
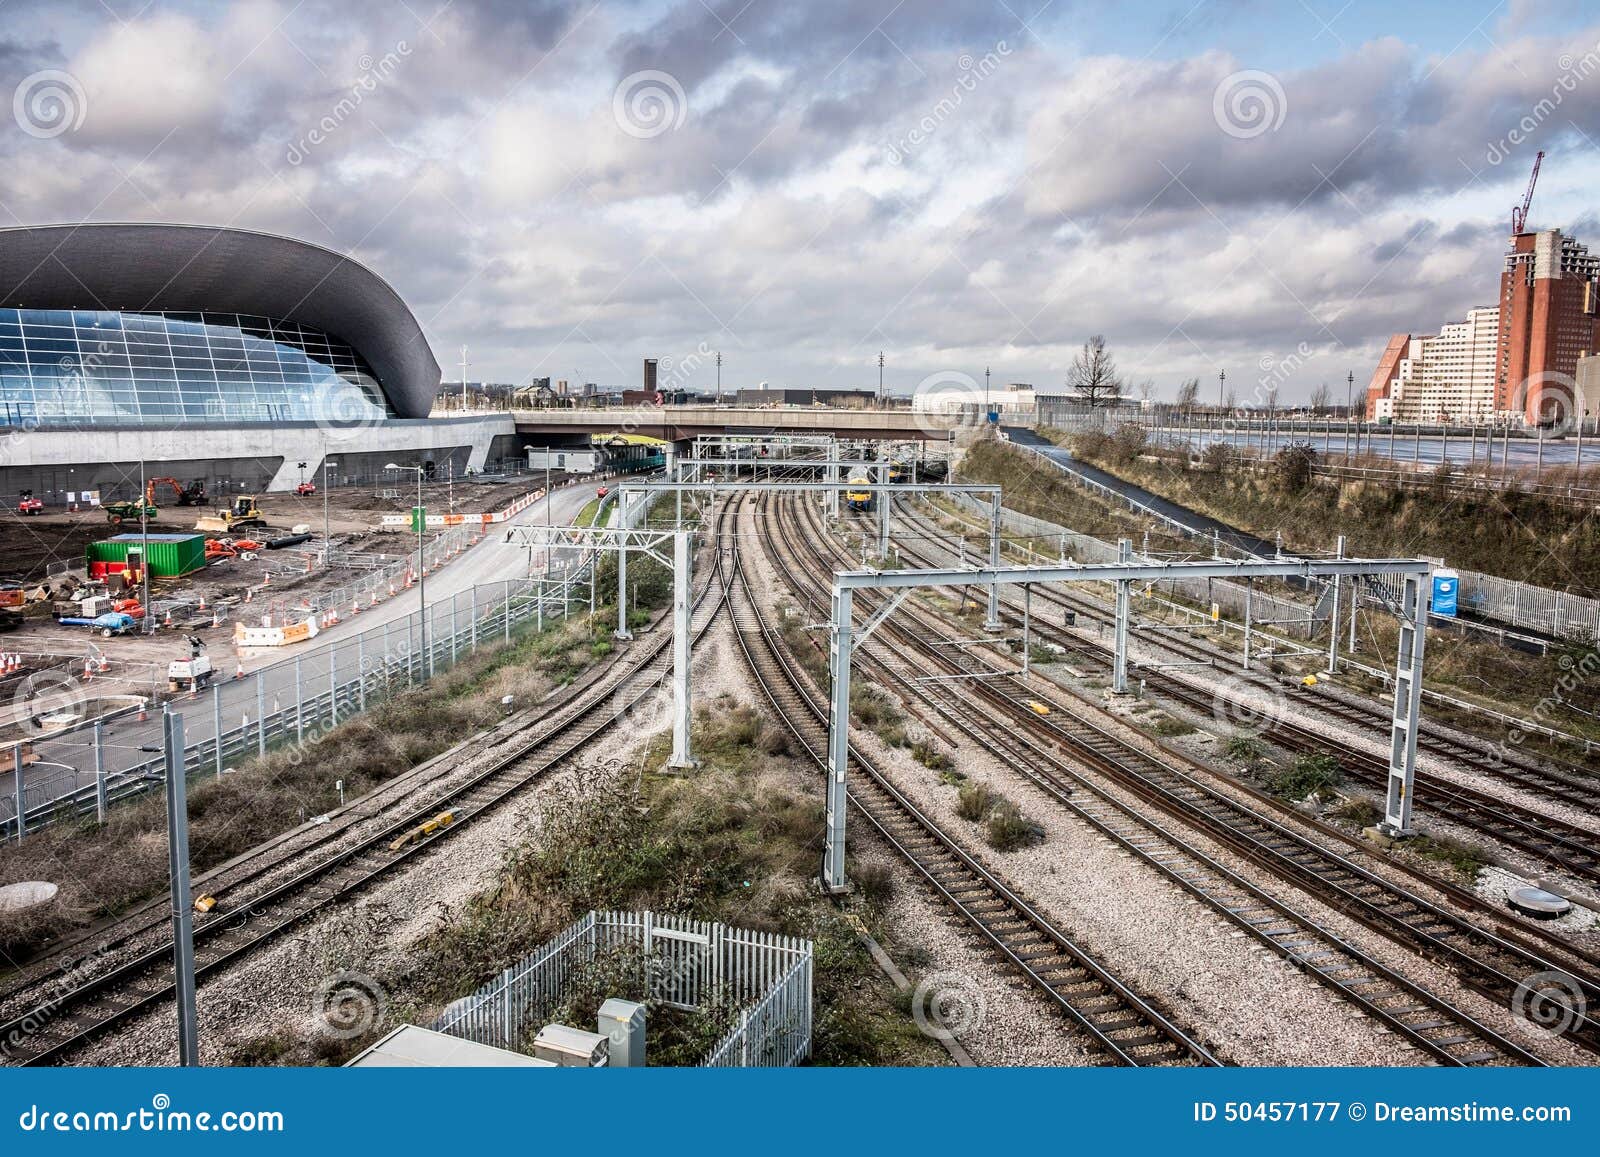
(1519, 213)
(192, 673)
(108, 624)
(119, 512)
(193, 494)
(242, 514)
(28, 504)
(305, 490)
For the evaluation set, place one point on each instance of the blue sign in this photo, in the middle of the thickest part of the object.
(1445, 585)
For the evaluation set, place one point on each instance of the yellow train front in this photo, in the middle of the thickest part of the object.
(859, 499)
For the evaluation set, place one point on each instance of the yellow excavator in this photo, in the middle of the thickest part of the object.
(242, 514)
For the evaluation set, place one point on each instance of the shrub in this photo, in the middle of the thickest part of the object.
(1245, 746)
(1307, 775)
(975, 801)
(1008, 829)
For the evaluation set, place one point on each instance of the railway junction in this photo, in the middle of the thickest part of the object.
(1073, 833)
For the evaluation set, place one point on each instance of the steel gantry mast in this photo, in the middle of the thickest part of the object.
(897, 584)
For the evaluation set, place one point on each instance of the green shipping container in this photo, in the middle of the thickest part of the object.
(171, 555)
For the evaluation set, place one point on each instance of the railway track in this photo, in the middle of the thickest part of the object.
(1548, 778)
(86, 1010)
(1121, 1025)
(1495, 963)
(1556, 844)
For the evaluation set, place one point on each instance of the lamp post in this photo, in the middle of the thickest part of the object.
(421, 515)
(147, 624)
(327, 539)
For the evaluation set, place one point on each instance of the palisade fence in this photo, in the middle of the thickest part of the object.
(676, 962)
(82, 771)
(1297, 619)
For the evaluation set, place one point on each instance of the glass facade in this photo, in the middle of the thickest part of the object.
(85, 368)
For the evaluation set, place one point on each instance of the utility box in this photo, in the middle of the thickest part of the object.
(171, 555)
(622, 1024)
(571, 1048)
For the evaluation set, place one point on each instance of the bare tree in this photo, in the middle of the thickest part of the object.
(1319, 399)
(1094, 374)
(1147, 389)
(1231, 402)
(1188, 395)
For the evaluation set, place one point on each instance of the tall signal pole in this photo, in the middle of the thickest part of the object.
(463, 377)
(719, 377)
(880, 377)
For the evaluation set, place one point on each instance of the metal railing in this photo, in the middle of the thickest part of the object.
(679, 962)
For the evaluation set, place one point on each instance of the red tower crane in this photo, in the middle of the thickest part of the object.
(1519, 213)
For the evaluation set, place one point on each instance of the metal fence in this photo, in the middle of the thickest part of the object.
(1297, 619)
(682, 963)
(88, 769)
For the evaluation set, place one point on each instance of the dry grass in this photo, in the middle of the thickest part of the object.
(104, 870)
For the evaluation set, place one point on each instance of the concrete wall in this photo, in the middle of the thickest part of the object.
(236, 459)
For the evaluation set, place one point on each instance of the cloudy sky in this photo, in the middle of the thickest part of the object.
(568, 187)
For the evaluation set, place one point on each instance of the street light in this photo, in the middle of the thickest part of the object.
(421, 516)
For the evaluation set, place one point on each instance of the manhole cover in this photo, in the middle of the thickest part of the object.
(28, 894)
(1538, 903)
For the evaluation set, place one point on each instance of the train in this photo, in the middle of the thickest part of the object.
(858, 499)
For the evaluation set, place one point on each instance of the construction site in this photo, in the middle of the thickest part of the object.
(103, 611)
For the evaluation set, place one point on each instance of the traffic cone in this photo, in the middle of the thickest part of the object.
(216, 619)
(267, 581)
(144, 715)
(238, 671)
(374, 601)
(202, 602)
(246, 594)
(88, 672)
(168, 623)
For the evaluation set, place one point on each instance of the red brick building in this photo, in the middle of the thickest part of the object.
(1548, 320)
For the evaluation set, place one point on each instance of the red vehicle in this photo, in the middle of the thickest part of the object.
(601, 492)
(29, 505)
(306, 489)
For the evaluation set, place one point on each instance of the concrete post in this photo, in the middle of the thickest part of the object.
(100, 772)
(508, 610)
(361, 671)
(1249, 593)
(622, 593)
(216, 724)
(261, 716)
(840, 645)
(299, 705)
(16, 784)
(333, 686)
(472, 612)
(182, 902)
(682, 611)
(1119, 665)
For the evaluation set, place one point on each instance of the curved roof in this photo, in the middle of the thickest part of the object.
(202, 268)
